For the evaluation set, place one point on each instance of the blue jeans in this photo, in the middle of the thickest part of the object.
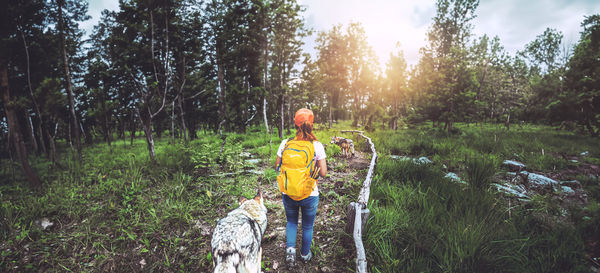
(309, 211)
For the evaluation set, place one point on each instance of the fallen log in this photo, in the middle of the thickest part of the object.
(363, 197)
(352, 131)
(361, 257)
(357, 213)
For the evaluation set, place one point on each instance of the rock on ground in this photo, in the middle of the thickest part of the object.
(514, 166)
(454, 178)
(516, 190)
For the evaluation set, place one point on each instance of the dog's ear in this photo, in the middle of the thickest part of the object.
(259, 196)
(242, 200)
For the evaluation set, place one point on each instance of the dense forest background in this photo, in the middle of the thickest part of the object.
(184, 66)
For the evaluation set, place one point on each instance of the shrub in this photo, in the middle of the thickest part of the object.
(333, 150)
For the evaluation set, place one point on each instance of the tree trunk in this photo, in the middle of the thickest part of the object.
(330, 114)
(265, 78)
(31, 132)
(173, 122)
(356, 109)
(265, 114)
(132, 129)
(281, 116)
(13, 125)
(70, 136)
(182, 114)
(106, 129)
(290, 116)
(105, 122)
(52, 141)
(192, 125)
(74, 122)
(590, 127)
(146, 120)
(222, 94)
(87, 135)
(122, 131)
(36, 108)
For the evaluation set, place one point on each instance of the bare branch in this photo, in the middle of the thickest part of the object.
(138, 84)
(152, 45)
(254, 114)
(166, 67)
(195, 95)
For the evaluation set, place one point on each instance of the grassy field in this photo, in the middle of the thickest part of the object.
(116, 211)
(423, 222)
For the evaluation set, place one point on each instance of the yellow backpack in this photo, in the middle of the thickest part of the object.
(297, 163)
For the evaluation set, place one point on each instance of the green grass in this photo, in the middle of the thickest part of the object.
(116, 208)
(422, 222)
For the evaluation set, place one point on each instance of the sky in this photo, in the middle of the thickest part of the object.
(389, 23)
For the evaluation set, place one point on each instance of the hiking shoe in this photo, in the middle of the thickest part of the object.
(290, 256)
(306, 258)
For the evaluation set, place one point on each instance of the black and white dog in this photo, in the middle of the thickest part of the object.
(237, 237)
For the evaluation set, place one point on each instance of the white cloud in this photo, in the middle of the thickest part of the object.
(95, 9)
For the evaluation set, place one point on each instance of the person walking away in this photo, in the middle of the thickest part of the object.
(300, 161)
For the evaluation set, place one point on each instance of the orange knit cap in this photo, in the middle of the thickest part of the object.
(303, 115)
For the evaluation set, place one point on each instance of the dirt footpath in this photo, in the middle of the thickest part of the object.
(332, 248)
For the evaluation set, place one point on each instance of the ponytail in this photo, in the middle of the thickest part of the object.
(305, 132)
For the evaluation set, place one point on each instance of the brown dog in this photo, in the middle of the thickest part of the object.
(347, 145)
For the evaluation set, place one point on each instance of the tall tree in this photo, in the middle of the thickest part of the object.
(288, 29)
(30, 20)
(142, 47)
(490, 62)
(448, 38)
(397, 86)
(581, 101)
(332, 52)
(361, 62)
(543, 52)
(546, 73)
(11, 118)
(74, 121)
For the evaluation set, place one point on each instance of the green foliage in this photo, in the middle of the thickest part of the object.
(582, 78)
(333, 150)
(208, 156)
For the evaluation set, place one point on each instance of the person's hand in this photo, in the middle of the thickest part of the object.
(315, 173)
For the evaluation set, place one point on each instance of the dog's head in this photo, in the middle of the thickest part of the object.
(255, 207)
(258, 198)
(335, 139)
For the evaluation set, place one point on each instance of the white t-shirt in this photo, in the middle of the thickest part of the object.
(319, 154)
